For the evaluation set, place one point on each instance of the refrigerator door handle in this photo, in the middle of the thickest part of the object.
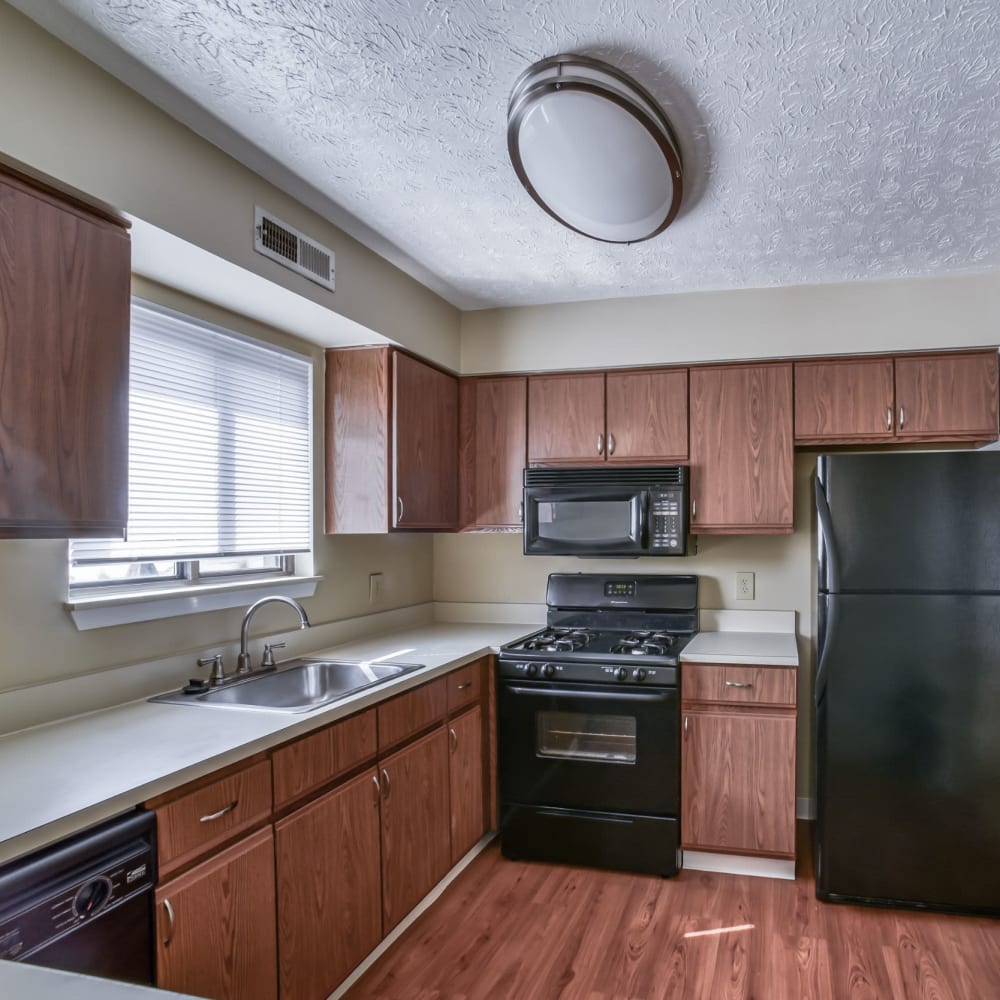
(831, 583)
(823, 653)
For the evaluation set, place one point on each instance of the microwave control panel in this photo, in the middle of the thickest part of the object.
(666, 519)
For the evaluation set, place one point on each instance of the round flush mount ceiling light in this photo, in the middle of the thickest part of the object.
(594, 149)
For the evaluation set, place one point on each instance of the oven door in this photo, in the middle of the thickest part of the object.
(588, 522)
(589, 746)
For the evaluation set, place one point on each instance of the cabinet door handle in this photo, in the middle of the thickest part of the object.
(739, 684)
(386, 784)
(902, 417)
(686, 720)
(520, 512)
(611, 444)
(222, 812)
(454, 740)
(399, 510)
(600, 444)
(169, 910)
(694, 508)
(888, 418)
(378, 789)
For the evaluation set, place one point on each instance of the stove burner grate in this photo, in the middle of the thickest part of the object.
(644, 644)
(555, 640)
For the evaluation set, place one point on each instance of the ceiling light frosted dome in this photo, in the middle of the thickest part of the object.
(594, 149)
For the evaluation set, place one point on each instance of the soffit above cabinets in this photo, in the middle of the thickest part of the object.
(821, 142)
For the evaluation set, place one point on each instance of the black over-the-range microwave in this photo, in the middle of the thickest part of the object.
(606, 511)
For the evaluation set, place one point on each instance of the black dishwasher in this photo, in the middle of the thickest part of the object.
(85, 904)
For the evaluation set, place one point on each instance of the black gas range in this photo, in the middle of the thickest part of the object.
(589, 723)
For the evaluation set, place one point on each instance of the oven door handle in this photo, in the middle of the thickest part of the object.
(568, 691)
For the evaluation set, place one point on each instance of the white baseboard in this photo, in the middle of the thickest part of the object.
(738, 864)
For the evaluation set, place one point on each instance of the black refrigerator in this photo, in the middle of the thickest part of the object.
(907, 682)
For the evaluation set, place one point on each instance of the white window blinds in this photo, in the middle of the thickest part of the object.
(219, 446)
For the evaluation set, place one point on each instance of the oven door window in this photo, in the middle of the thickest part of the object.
(576, 736)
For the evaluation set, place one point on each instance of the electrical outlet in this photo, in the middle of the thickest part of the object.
(375, 584)
(744, 586)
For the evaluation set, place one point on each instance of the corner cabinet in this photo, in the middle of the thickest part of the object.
(738, 759)
(903, 399)
(391, 443)
(65, 281)
(741, 449)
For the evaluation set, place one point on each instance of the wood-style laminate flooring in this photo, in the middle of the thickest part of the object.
(523, 931)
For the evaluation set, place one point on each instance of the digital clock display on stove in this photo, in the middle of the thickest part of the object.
(619, 588)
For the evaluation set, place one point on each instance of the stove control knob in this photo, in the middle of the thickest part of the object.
(532, 669)
(621, 673)
(639, 674)
(549, 670)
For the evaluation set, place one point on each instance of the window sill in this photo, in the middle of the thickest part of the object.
(103, 610)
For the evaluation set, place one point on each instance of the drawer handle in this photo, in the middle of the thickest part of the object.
(386, 784)
(454, 740)
(170, 923)
(739, 684)
(222, 812)
(462, 687)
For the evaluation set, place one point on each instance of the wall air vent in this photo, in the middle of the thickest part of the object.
(291, 249)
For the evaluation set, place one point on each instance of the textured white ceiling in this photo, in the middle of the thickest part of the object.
(824, 140)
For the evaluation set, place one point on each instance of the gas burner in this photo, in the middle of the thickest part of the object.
(558, 640)
(644, 644)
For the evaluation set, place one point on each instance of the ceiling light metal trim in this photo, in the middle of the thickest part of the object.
(597, 79)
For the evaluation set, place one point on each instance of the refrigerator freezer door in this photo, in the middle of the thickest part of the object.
(925, 522)
(908, 751)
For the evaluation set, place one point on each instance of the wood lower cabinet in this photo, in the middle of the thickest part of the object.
(465, 734)
(215, 925)
(741, 449)
(65, 281)
(493, 435)
(416, 852)
(329, 877)
(391, 443)
(907, 398)
(738, 759)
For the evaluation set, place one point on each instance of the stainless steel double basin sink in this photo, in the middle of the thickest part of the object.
(296, 686)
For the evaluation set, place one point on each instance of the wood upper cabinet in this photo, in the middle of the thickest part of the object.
(493, 435)
(416, 846)
(64, 347)
(465, 734)
(329, 878)
(741, 449)
(628, 417)
(947, 397)
(391, 443)
(425, 445)
(920, 397)
(215, 925)
(738, 759)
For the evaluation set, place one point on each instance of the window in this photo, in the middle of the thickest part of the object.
(220, 477)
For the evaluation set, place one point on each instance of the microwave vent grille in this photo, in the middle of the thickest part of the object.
(669, 475)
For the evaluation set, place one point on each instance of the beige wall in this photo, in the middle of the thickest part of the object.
(487, 568)
(62, 115)
(860, 317)
(40, 642)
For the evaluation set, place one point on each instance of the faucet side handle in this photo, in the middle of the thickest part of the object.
(267, 660)
(218, 674)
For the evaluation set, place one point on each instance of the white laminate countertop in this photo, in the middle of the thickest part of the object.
(21, 982)
(62, 777)
(759, 638)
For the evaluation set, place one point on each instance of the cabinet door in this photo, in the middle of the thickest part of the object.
(64, 326)
(647, 416)
(494, 436)
(841, 401)
(947, 397)
(466, 773)
(416, 850)
(738, 783)
(329, 888)
(566, 418)
(425, 445)
(215, 925)
(741, 449)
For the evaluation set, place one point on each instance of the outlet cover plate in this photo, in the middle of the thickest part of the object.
(744, 586)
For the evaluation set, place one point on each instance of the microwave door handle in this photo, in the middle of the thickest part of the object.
(644, 519)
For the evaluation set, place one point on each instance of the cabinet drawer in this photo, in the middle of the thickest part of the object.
(407, 714)
(320, 757)
(465, 685)
(738, 685)
(207, 816)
